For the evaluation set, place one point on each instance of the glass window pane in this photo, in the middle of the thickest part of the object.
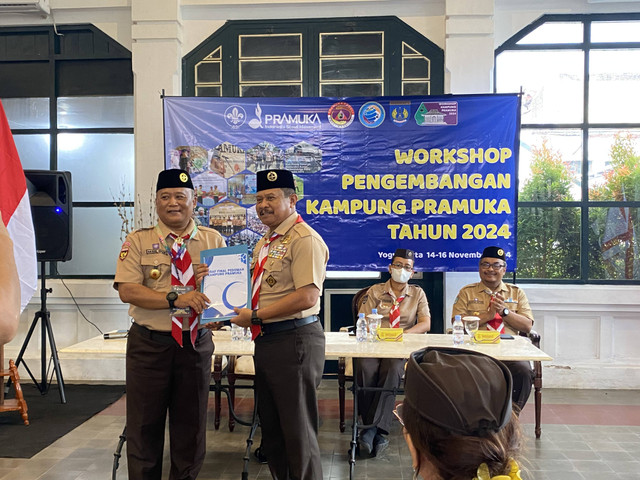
(350, 89)
(415, 68)
(101, 165)
(27, 112)
(549, 242)
(408, 50)
(552, 82)
(614, 83)
(95, 112)
(550, 167)
(351, 69)
(614, 165)
(270, 46)
(270, 70)
(208, 72)
(615, 31)
(413, 88)
(271, 90)
(208, 91)
(555, 32)
(351, 43)
(94, 254)
(613, 243)
(33, 151)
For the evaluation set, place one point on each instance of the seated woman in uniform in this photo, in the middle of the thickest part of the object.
(457, 417)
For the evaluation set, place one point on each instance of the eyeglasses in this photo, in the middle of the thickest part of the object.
(495, 266)
(408, 268)
(398, 413)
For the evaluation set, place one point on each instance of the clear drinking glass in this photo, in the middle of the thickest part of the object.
(471, 325)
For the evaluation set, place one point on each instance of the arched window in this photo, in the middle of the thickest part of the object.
(68, 95)
(579, 174)
(320, 57)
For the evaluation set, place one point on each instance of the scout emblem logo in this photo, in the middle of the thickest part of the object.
(183, 177)
(272, 176)
(271, 281)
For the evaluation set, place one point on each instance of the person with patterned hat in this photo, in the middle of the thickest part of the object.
(288, 270)
(500, 306)
(457, 416)
(402, 305)
(168, 360)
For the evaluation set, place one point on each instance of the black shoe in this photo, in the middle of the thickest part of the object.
(365, 441)
(260, 457)
(380, 444)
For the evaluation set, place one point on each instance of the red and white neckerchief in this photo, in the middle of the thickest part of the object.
(258, 271)
(394, 313)
(182, 274)
(496, 323)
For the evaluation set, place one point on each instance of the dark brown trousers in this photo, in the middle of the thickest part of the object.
(161, 377)
(289, 368)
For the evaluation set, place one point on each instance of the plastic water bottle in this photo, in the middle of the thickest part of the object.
(374, 323)
(458, 330)
(361, 328)
(237, 332)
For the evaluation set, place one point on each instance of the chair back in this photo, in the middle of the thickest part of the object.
(357, 301)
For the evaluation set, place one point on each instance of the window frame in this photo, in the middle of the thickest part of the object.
(395, 33)
(71, 44)
(585, 204)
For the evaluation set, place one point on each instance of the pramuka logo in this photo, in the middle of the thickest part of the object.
(285, 121)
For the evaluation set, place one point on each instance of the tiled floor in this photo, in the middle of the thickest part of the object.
(585, 435)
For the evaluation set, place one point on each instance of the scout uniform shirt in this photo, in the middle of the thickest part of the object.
(413, 306)
(474, 299)
(297, 258)
(144, 260)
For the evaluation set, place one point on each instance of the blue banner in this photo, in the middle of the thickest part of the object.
(434, 174)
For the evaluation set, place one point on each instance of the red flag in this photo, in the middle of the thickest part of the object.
(16, 212)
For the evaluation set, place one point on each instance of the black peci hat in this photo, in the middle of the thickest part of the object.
(466, 392)
(404, 253)
(493, 252)
(267, 179)
(174, 178)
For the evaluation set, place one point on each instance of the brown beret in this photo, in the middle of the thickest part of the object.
(174, 178)
(466, 392)
(267, 179)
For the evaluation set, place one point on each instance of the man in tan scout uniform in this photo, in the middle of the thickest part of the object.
(413, 317)
(168, 357)
(289, 265)
(500, 306)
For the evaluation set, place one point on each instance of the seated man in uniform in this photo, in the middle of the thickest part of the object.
(500, 306)
(402, 306)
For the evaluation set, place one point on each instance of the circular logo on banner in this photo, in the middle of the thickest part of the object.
(371, 114)
(341, 115)
(272, 176)
(235, 116)
(184, 177)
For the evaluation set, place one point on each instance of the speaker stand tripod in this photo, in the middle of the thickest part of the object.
(46, 332)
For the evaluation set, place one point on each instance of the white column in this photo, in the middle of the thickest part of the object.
(156, 51)
(469, 46)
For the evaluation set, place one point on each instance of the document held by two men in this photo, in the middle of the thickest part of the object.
(228, 282)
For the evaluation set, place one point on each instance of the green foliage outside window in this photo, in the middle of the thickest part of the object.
(548, 237)
(613, 240)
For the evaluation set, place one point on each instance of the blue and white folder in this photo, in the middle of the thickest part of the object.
(228, 283)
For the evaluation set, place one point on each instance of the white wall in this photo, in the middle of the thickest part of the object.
(589, 330)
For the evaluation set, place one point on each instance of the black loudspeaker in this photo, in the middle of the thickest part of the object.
(50, 198)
